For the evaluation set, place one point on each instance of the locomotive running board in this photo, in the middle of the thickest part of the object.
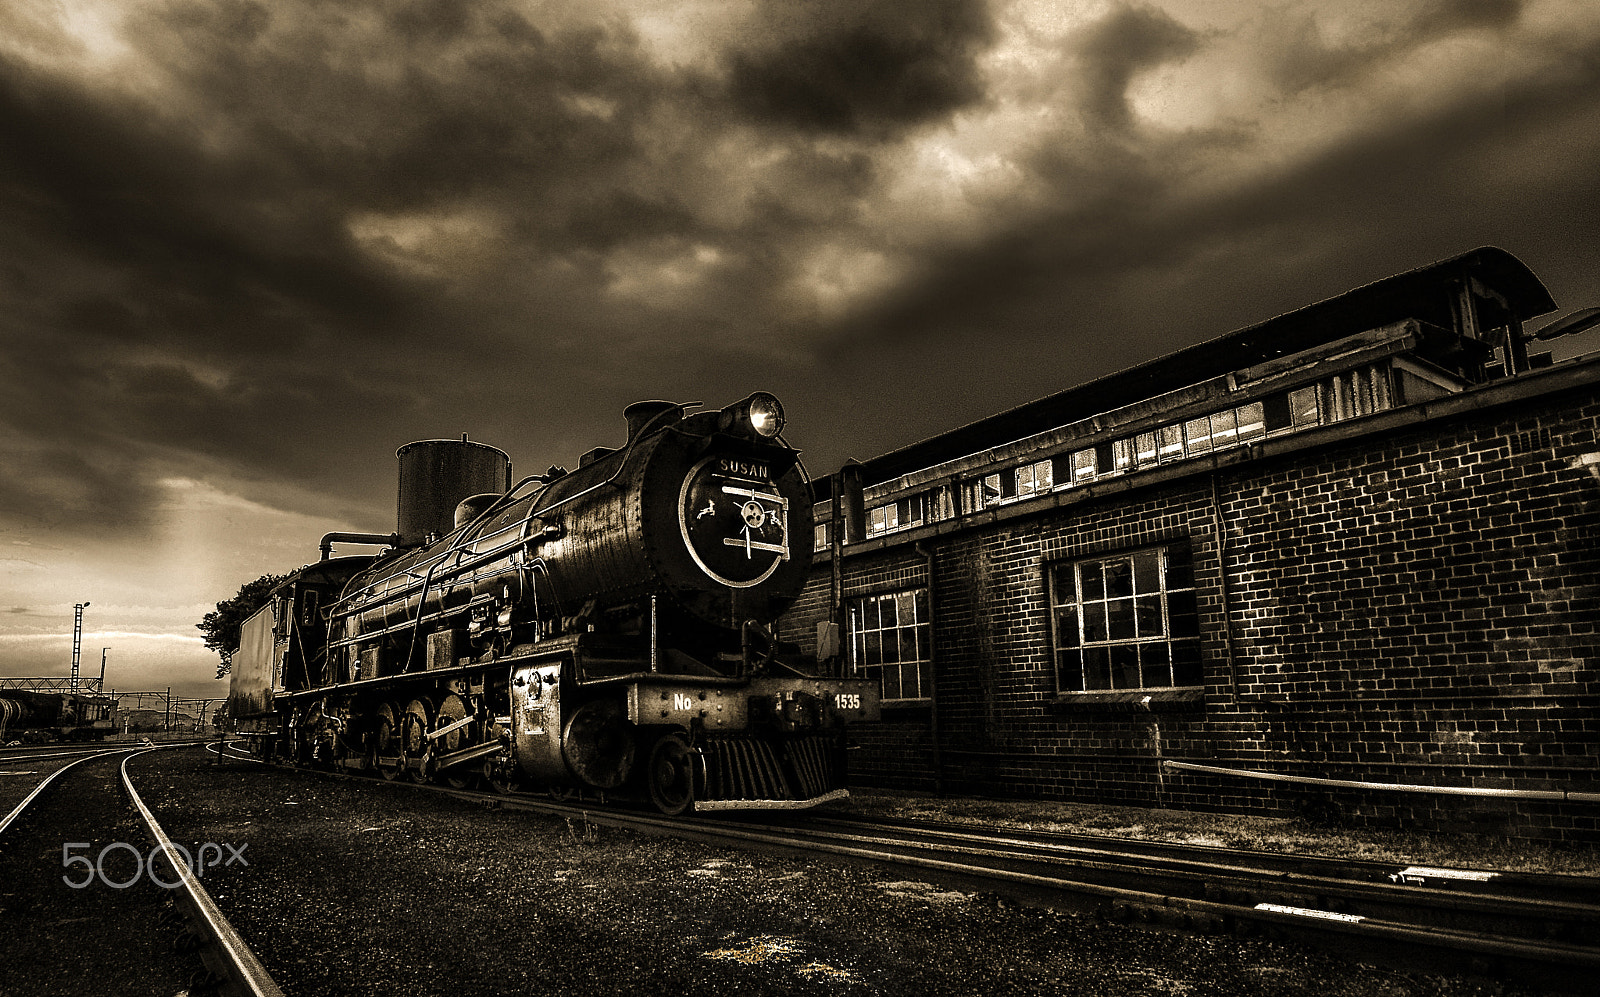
(828, 797)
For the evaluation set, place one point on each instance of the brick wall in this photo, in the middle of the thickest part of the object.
(1417, 606)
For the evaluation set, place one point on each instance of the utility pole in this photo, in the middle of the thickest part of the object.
(77, 640)
(102, 689)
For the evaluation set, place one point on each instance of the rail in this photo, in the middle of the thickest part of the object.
(1437, 916)
(232, 958)
(43, 783)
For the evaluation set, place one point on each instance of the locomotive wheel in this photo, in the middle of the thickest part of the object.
(670, 775)
(497, 777)
(599, 744)
(450, 711)
(413, 737)
(384, 742)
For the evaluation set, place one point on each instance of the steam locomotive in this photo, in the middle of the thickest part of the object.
(606, 631)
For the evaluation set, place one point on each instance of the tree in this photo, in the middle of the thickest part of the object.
(222, 626)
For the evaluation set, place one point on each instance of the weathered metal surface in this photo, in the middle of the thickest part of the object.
(681, 704)
(436, 475)
(255, 665)
(536, 721)
(708, 532)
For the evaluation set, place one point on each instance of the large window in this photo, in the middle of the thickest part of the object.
(1126, 621)
(890, 635)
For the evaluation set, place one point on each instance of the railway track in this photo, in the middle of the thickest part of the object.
(1540, 931)
(94, 898)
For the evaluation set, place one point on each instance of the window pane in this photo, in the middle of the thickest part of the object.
(1276, 413)
(1303, 407)
(1144, 446)
(891, 683)
(1223, 428)
(1119, 619)
(1147, 571)
(887, 613)
(910, 681)
(906, 608)
(1122, 455)
(1157, 665)
(1094, 622)
(1067, 626)
(1064, 579)
(1069, 671)
(1171, 443)
(874, 654)
(1024, 476)
(1382, 396)
(1252, 422)
(1363, 391)
(894, 646)
(1094, 586)
(1198, 433)
(1083, 465)
(1096, 668)
(1344, 388)
(1125, 666)
(924, 679)
(1147, 610)
(1118, 578)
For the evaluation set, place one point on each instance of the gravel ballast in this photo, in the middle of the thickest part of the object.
(1291, 836)
(356, 887)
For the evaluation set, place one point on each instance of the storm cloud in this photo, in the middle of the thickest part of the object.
(248, 249)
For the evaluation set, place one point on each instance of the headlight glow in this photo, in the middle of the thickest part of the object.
(766, 414)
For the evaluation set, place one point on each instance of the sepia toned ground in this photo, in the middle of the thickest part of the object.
(367, 888)
(1272, 834)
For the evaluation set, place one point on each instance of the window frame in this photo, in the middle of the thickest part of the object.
(1099, 626)
(920, 665)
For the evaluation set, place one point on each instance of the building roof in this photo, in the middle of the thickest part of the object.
(1427, 293)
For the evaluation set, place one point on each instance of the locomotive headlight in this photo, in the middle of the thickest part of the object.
(765, 414)
(759, 416)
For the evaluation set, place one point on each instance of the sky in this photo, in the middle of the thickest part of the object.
(247, 250)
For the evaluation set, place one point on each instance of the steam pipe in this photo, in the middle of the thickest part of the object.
(1305, 780)
(933, 677)
(329, 539)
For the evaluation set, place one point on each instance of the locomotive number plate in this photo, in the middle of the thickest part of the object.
(735, 521)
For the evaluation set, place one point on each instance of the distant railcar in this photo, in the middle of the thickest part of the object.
(63, 716)
(606, 631)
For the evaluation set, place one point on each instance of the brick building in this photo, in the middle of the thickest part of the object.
(1351, 548)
